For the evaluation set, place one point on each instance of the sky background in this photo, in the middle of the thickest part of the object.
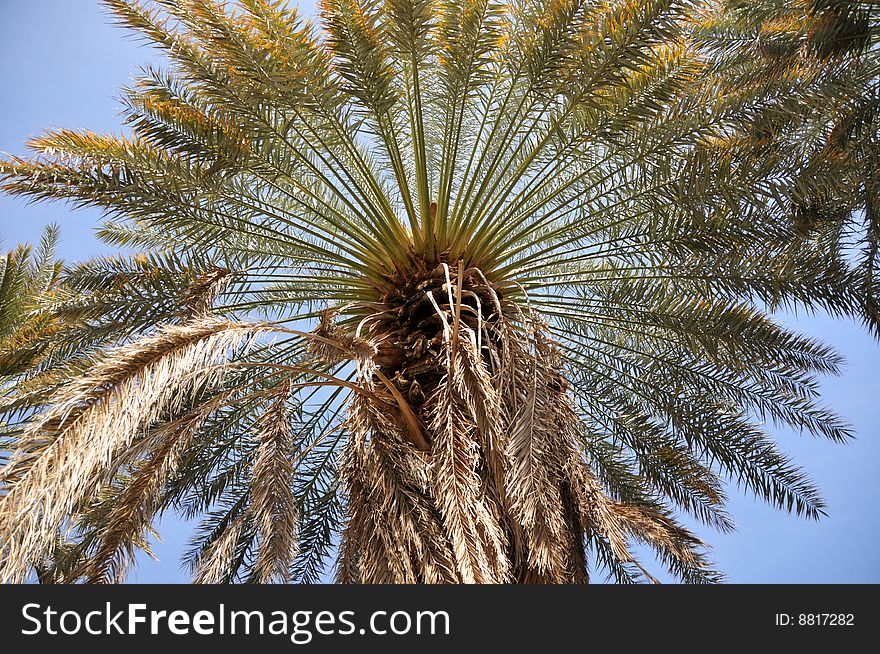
(62, 64)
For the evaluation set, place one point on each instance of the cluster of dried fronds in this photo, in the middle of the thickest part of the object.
(504, 493)
(515, 260)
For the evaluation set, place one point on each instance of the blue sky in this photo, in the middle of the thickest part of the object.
(62, 65)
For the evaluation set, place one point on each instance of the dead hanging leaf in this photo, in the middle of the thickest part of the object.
(198, 298)
(331, 343)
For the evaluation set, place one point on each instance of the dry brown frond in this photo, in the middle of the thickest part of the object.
(480, 544)
(216, 561)
(533, 409)
(273, 504)
(96, 417)
(198, 299)
(135, 508)
(393, 534)
(334, 344)
(659, 531)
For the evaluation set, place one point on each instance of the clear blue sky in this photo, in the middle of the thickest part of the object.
(62, 65)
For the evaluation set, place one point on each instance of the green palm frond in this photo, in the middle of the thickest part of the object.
(27, 277)
(810, 72)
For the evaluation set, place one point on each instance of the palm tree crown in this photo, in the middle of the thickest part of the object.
(468, 291)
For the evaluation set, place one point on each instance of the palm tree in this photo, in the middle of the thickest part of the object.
(26, 278)
(465, 291)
